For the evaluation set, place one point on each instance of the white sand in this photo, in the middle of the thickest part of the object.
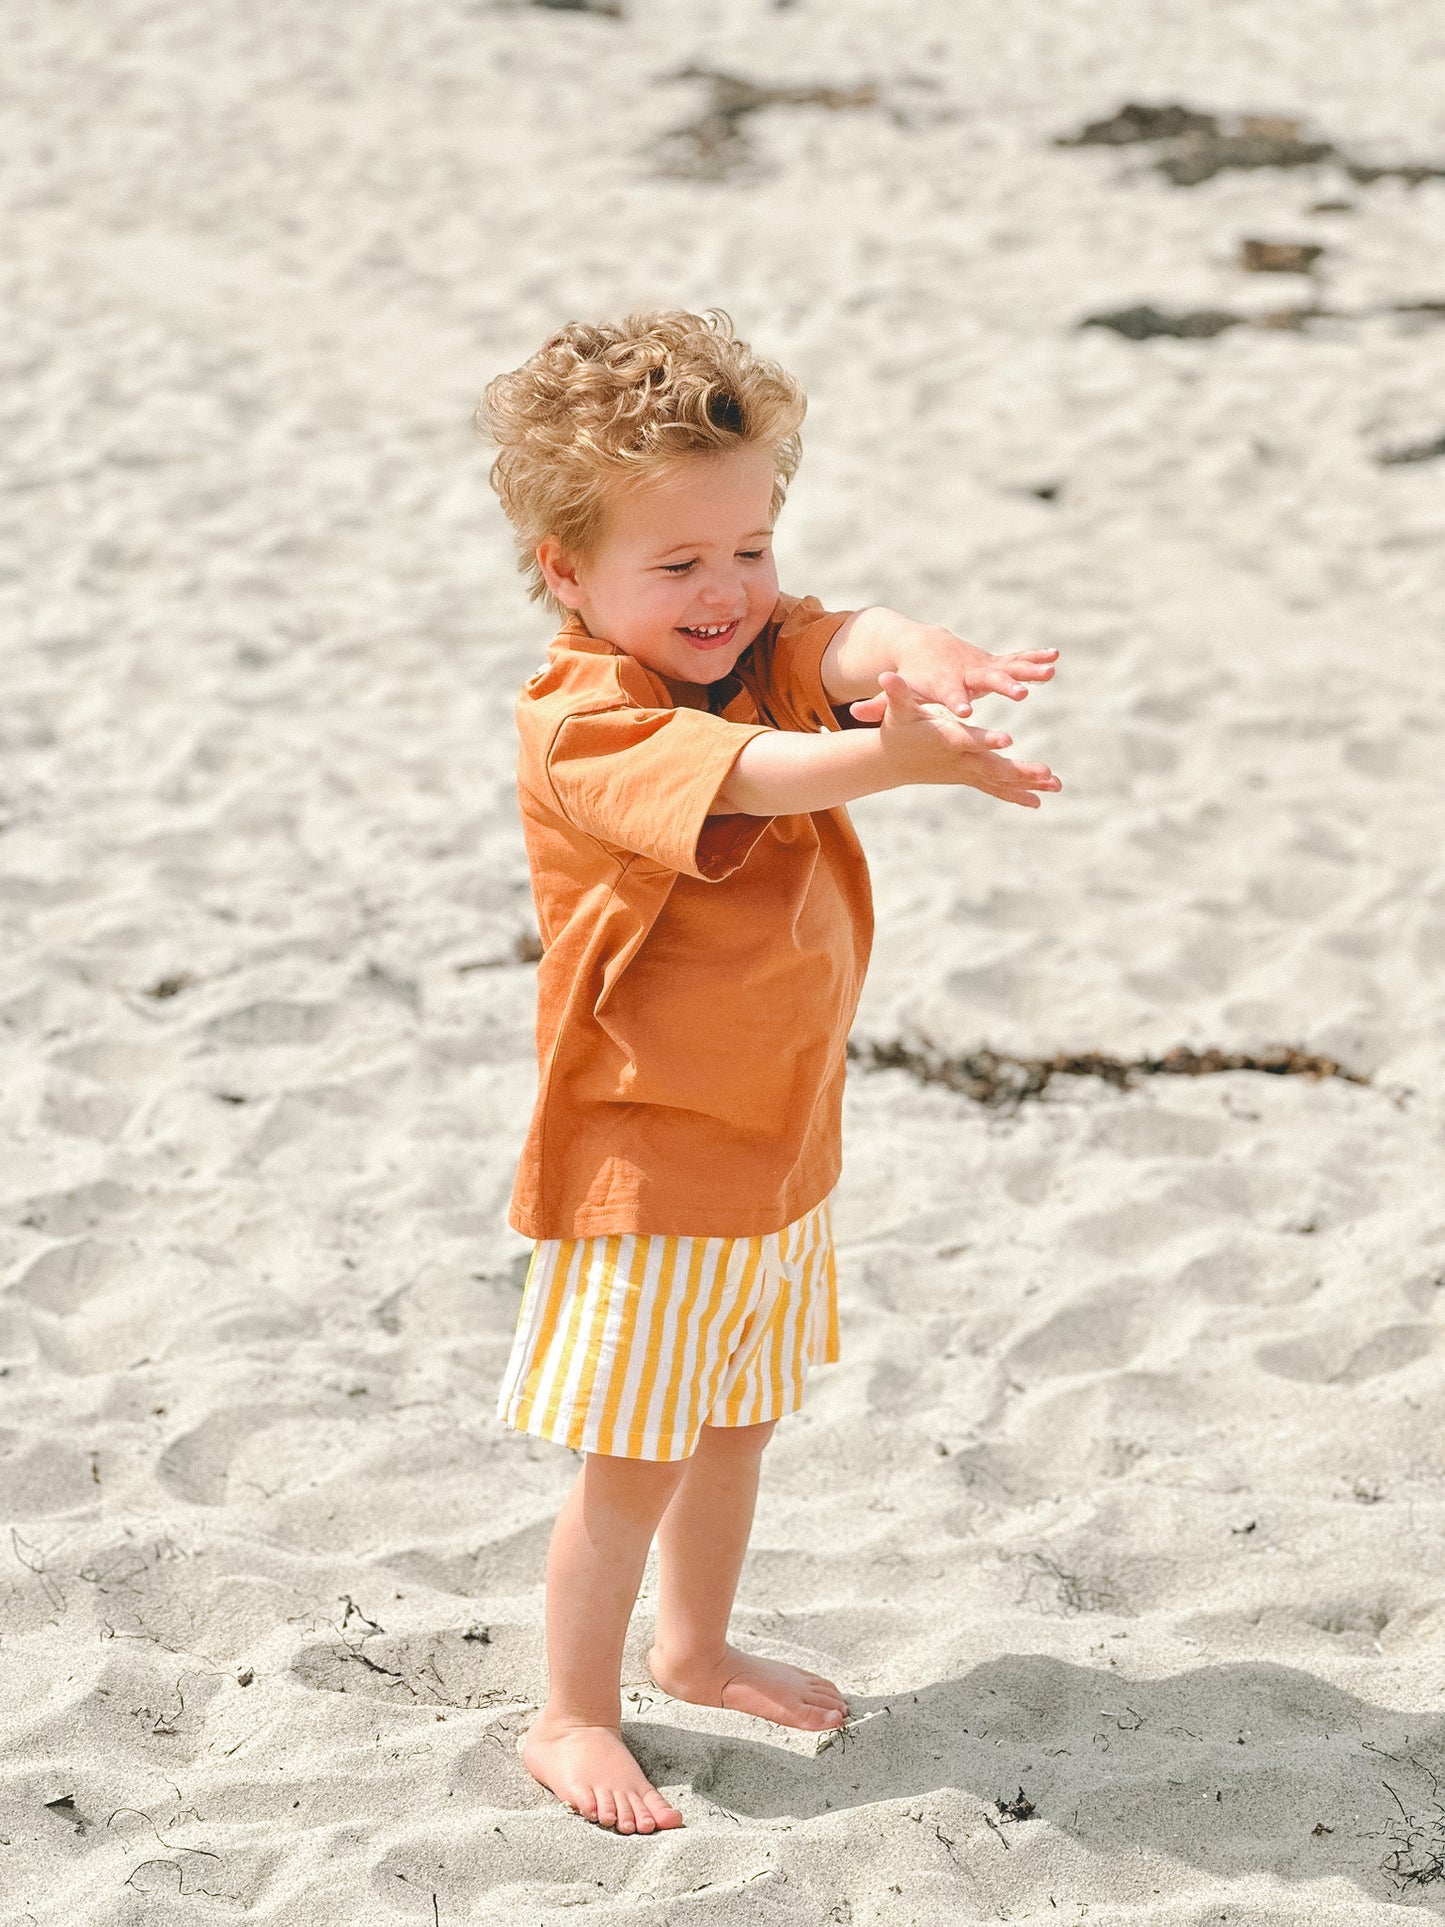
(1129, 1489)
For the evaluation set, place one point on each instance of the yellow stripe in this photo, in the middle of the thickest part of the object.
(536, 1358)
(788, 1283)
(698, 1276)
(579, 1401)
(567, 1349)
(734, 1319)
(656, 1324)
(711, 1350)
(645, 1251)
(830, 1342)
(801, 1323)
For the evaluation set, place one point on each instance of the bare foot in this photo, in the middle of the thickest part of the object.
(590, 1770)
(764, 1687)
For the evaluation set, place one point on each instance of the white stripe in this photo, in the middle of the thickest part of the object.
(529, 1320)
(651, 1439)
(607, 1341)
(690, 1374)
(712, 1353)
(654, 1250)
(556, 1354)
(751, 1410)
(598, 1281)
(792, 1327)
(818, 1310)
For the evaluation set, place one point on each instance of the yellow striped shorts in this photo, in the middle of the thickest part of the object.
(627, 1345)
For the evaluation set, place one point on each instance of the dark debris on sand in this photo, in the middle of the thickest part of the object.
(713, 143)
(610, 9)
(1413, 452)
(1021, 1807)
(1145, 322)
(1416, 1856)
(1278, 257)
(1197, 146)
(999, 1080)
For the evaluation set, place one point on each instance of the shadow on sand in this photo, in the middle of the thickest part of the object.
(1239, 1768)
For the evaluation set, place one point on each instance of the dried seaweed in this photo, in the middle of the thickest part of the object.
(1144, 322)
(1413, 452)
(611, 9)
(1197, 146)
(713, 144)
(1278, 257)
(1000, 1081)
(1417, 1842)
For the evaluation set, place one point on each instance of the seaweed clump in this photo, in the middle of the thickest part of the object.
(713, 143)
(1197, 146)
(1001, 1081)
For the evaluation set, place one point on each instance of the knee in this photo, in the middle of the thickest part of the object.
(639, 1488)
(736, 1441)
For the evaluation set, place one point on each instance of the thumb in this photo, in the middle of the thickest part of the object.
(899, 696)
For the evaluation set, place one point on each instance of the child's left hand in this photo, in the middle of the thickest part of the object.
(940, 667)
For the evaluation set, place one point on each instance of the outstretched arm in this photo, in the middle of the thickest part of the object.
(790, 772)
(937, 665)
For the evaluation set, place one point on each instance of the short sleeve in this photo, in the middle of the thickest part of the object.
(787, 663)
(644, 780)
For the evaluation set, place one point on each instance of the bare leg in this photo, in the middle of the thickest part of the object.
(702, 1539)
(594, 1567)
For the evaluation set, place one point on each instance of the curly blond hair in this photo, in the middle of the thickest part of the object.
(601, 406)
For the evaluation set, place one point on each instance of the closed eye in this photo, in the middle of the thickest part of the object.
(676, 568)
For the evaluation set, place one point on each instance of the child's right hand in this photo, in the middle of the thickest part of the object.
(923, 743)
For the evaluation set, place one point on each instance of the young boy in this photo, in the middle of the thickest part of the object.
(705, 914)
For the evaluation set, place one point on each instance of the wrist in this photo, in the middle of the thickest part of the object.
(866, 643)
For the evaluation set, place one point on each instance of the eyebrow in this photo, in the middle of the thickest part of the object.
(757, 535)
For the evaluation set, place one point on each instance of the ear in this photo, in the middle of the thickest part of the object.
(559, 571)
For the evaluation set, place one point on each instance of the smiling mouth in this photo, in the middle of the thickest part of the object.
(710, 635)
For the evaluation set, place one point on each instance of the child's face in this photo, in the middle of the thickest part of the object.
(682, 576)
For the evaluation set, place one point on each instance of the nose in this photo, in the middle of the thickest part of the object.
(724, 592)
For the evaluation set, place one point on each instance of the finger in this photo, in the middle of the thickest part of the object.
(900, 696)
(1002, 775)
(970, 736)
(870, 710)
(1000, 679)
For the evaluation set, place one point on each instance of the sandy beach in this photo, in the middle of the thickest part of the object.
(1122, 1518)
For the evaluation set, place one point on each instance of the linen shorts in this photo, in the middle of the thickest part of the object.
(628, 1345)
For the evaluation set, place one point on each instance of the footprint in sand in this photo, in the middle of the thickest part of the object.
(1339, 1358)
(511, 1563)
(45, 1476)
(65, 1214)
(466, 1668)
(1099, 1331)
(68, 1276)
(197, 1465)
(1232, 1273)
(271, 1022)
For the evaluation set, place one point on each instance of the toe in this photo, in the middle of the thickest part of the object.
(604, 1807)
(663, 1811)
(642, 1820)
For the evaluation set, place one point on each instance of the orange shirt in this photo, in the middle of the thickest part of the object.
(700, 973)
